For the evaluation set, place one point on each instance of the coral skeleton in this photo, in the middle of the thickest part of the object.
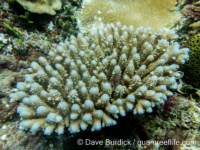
(92, 80)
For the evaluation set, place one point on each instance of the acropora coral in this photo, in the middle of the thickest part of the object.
(73, 88)
(153, 13)
(192, 67)
(41, 6)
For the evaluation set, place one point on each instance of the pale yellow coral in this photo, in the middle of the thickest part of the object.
(41, 6)
(153, 13)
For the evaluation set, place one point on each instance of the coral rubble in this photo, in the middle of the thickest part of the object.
(4, 41)
(180, 121)
(12, 138)
(41, 6)
(91, 80)
(7, 110)
(11, 63)
(8, 73)
(153, 13)
(36, 41)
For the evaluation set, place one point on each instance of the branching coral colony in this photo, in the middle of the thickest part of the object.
(73, 89)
